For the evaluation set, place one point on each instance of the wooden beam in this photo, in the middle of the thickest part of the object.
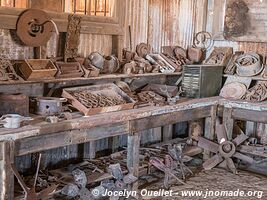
(167, 131)
(228, 122)
(60, 139)
(169, 118)
(89, 24)
(6, 174)
(250, 115)
(133, 147)
(210, 128)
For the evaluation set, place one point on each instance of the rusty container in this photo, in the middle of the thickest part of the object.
(14, 104)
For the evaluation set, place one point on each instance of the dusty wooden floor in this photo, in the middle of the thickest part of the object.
(217, 180)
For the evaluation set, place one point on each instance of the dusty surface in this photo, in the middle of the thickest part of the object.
(217, 180)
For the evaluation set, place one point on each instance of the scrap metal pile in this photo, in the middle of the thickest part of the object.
(143, 61)
(110, 173)
(96, 100)
(246, 66)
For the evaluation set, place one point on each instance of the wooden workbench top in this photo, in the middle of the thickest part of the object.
(102, 119)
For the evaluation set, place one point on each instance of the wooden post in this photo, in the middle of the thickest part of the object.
(167, 133)
(89, 150)
(133, 147)
(113, 143)
(6, 174)
(228, 122)
(209, 132)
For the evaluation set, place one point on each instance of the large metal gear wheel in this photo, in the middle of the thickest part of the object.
(224, 150)
(34, 27)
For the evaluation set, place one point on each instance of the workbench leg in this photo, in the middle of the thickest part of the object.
(89, 150)
(133, 147)
(228, 122)
(113, 143)
(210, 128)
(6, 174)
(167, 133)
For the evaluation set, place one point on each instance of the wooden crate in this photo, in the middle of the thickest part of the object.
(33, 69)
(107, 89)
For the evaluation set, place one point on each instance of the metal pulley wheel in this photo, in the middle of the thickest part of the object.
(142, 49)
(203, 40)
(248, 64)
(34, 27)
(234, 90)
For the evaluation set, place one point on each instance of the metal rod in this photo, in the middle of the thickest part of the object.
(37, 170)
(95, 6)
(85, 7)
(74, 9)
(89, 7)
(105, 11)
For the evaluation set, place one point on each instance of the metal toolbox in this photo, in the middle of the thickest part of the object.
(110, 90)
(202, 80)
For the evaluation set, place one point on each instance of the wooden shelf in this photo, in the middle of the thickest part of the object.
(257, 78)
(101, 77)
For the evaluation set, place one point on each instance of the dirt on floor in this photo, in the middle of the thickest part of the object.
(214, 184)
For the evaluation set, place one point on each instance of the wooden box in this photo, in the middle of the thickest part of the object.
(106, 89)
(69, 70)
(33, 69)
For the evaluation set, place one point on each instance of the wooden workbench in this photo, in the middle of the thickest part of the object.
(43, 136)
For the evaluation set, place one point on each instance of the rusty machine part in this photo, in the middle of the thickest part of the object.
(219, 56)
(234, 90)
(49, 105)
(179, 52)
(201, 43)
(91, 100)
(176, 152)
(14, 103)
(7, 71)
(151, 97)
(225, 150)
(30, 193)
(257, 93)
(72, 37)
(34, 27)
(143, 49)
(248, 64)
(167, 167)
(111, 64)
(203, 40)
(96, 60)
(231, 66)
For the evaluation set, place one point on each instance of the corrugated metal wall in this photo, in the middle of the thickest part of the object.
(163, 22)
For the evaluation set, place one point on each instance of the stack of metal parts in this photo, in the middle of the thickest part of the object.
(151, 97)
(137, 63)
(176, 55)
(91, 100)
(257, 93)
(219, 56)
(142, 61)
(7, 72)
(231, 66)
